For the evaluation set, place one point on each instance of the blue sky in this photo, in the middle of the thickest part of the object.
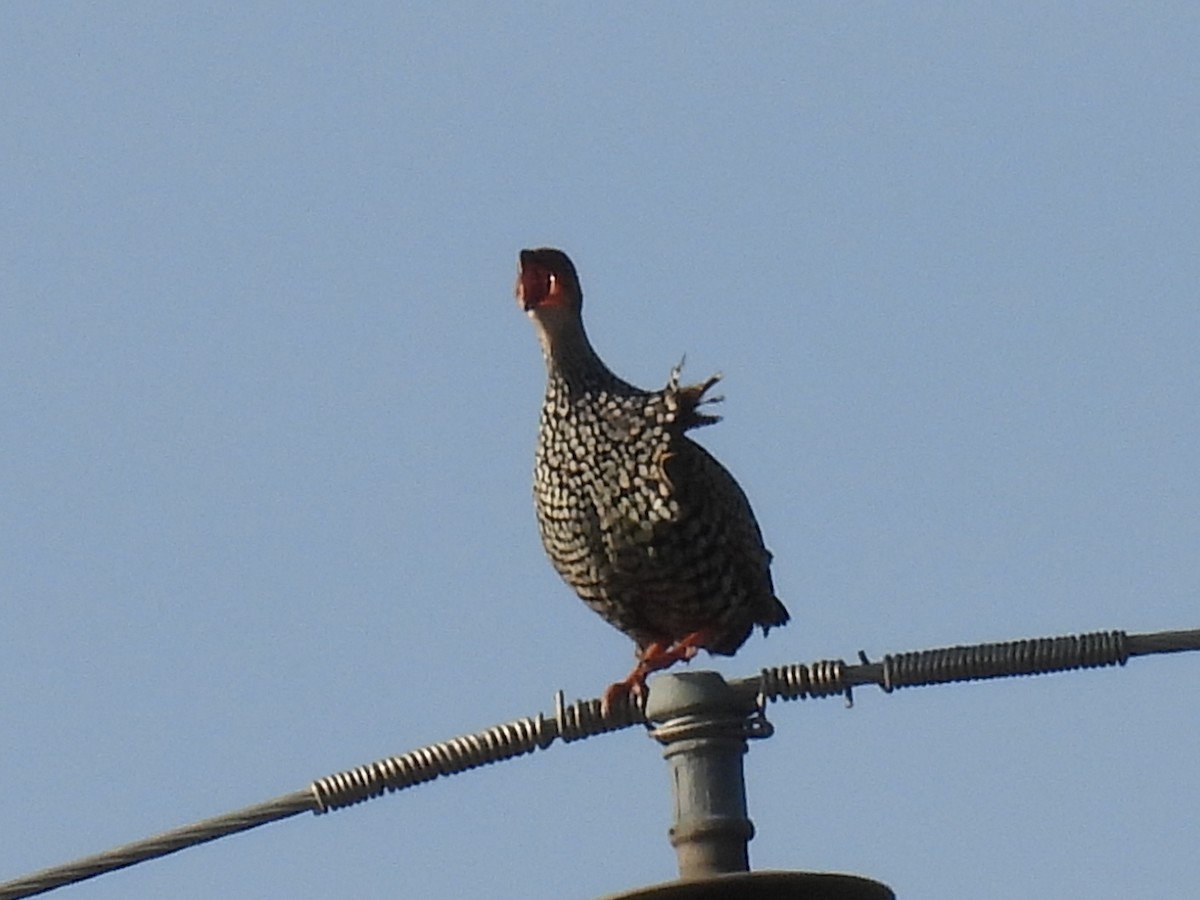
(269, 413)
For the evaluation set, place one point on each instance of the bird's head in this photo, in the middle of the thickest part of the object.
(547, 284)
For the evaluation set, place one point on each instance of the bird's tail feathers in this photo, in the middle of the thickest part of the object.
(690, 397)
(776, 617)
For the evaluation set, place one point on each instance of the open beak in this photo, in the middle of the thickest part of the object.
(534, 285)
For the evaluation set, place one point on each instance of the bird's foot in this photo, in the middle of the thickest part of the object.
(653, 658)
(632, 689)
(660, 656)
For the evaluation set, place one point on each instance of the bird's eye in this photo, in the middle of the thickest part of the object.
(552, 284)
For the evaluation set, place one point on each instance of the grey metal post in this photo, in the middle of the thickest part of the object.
(703, 725)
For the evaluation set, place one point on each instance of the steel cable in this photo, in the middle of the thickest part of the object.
(584, 718)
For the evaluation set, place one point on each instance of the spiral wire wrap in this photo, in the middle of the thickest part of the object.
(1029, 657)
(585, 718)
(797, 681)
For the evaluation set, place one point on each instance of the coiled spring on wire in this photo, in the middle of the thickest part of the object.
(1027, 657)
(581, 719)
(1035, 656)
(825, 678)
(798, 681)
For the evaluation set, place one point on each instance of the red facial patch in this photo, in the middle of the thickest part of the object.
(536, 285)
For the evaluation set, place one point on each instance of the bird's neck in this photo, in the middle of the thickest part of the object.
(569, 355)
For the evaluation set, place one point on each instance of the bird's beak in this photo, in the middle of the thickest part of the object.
(533, 286)
(523, 299)
(519, 291)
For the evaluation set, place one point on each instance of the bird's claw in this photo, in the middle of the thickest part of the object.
(652, 658)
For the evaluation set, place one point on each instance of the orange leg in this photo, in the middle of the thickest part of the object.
(653, 658)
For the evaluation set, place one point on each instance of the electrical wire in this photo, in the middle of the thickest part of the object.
(585, 718)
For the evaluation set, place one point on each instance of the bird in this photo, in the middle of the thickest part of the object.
(646, 526)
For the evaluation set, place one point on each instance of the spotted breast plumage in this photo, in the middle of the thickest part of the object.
(643, 523)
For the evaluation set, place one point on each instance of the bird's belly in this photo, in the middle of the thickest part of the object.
(652, 589)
